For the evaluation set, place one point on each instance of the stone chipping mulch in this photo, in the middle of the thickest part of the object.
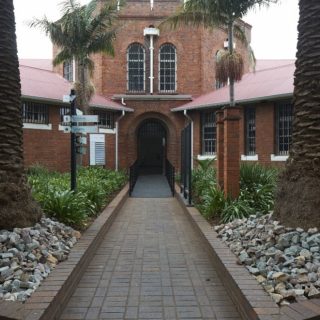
(285, 261)
(28, 255)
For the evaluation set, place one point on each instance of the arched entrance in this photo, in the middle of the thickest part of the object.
(152, 136)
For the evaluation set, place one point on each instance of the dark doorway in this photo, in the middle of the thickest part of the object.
(151, 147)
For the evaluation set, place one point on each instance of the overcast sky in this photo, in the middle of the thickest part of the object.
(274, 32)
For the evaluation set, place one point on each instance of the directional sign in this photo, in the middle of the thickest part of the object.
(84, 129)
(85, 118)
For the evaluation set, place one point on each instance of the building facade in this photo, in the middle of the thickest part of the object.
(161, 80)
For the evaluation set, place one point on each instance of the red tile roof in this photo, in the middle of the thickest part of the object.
(266, 84)
(46, 85)
(45, 64)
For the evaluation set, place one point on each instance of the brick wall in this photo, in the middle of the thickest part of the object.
(51, 148)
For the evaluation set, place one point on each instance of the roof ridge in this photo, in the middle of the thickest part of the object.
(33, 67)
(271, 68)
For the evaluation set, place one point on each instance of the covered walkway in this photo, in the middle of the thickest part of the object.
(151, 265)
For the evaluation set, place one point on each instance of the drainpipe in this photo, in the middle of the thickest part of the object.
(151, 64)
(151, 31)
(117, 137)
(191, 121)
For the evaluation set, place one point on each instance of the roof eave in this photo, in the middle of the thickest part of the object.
(61, 103)
(248, 101)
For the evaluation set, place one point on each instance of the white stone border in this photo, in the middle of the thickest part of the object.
(37, 126)
(274, 157)
(249, 158)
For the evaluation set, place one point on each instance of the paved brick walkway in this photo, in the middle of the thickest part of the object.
(151, 265)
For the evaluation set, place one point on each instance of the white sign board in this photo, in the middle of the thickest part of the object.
(86, 118)
(84, 129)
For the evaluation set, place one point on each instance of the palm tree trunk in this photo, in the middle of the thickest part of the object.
(17, 208)
(230, 47)
(297, 197)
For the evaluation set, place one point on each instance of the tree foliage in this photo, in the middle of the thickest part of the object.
(81, 32)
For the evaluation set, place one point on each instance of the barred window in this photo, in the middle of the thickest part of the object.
(33, 112)
(284, 117)
(208, 133)
(136, 68)
(64, 111)
(68, 70)
(167, 68)
(250, 130)
(106, 118)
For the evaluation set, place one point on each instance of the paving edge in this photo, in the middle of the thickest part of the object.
(49, 300)
(252, 302)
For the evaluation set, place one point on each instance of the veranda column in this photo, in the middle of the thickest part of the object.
(220, 147)
(231, 152)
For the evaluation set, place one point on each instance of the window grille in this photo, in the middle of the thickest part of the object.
(136, 68)
(284, 117)
(33, 112)
(209, 133)
(68, 70)
(167, 68)
(250, 131)
(106, 118)
(64, 111)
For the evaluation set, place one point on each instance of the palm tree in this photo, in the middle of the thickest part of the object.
(79, 33)
(17, 208)
(298, 194)
(220, 13)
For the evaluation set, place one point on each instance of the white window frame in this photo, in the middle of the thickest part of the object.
(175, 69)
(144, 68)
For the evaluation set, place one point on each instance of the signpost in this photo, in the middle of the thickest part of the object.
(73, 142)
(77, 142)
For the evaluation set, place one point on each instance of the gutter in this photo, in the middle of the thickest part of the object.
(191, 121)
(249, 101)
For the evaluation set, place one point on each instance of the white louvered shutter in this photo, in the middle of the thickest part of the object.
(97, 149)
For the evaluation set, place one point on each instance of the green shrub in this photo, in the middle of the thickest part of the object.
(212, 202)
(95, 188)
(236, 209)
(257, 186)
(67, 206)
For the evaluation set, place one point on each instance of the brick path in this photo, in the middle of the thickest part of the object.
(151, 265)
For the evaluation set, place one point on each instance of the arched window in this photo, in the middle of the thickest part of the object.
(136, 68)
(167, 68)
(68, 70)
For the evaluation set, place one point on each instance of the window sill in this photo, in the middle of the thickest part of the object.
(37, 126)
(249, 158)
(206, 157)
(105, 130)
(278, 158)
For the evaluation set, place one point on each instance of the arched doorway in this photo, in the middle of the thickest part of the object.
(152, 136)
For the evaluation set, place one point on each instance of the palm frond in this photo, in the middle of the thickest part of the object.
(61, 57)
(229, 66)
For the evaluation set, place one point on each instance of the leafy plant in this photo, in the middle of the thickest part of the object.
(236, 209)
(96, 186)
(213, 202)
(67, 206)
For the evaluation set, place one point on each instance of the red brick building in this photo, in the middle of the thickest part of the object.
(156, 84)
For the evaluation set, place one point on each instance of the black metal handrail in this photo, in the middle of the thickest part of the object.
(170, 174)
(133, 176)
